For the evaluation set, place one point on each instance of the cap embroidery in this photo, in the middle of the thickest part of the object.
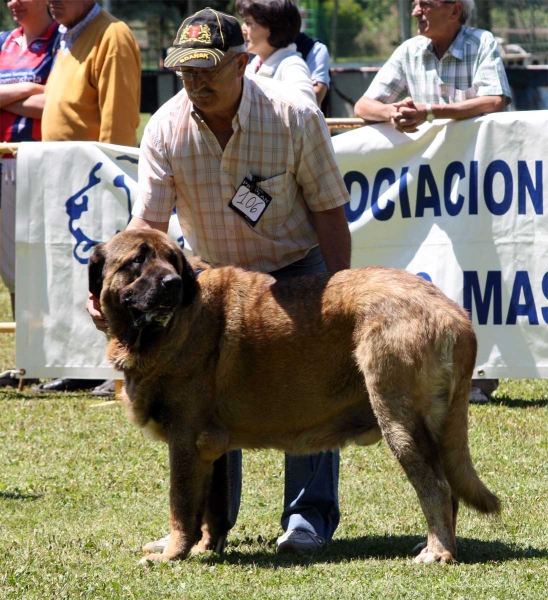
(188, 57)
(196, 33)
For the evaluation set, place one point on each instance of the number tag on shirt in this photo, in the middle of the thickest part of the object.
(250, 201)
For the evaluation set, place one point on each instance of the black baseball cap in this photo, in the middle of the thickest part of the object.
(203, 39)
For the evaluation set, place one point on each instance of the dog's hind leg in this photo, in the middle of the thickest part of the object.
(412, 444)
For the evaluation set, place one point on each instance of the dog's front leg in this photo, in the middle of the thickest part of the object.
(217, 518)
(190, 478)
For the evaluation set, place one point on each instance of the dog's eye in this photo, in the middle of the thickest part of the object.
(139, 259)
(172, 258)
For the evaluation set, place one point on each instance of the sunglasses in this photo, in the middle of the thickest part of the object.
(426, 6)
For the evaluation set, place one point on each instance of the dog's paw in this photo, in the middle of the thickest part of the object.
(209, 544)
(153, 558)
(200, 547)
(427, 556)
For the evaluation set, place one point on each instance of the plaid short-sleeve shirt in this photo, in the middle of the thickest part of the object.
(471, 67)
(280, 138)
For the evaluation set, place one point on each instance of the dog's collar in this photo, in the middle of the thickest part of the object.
(198, 271)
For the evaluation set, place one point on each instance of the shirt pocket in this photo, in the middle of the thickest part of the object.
(282, 189)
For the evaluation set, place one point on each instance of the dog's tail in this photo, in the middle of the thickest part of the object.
(454, 451)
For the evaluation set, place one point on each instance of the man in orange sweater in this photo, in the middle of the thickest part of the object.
(93, 94)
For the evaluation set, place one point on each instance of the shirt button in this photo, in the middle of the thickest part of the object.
(231, 233)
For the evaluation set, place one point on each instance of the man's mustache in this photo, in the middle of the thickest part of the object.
(202, 93)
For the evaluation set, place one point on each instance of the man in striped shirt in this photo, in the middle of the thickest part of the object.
(226, 130)
(449, 71)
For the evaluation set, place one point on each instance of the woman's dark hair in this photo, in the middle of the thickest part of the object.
(282, 17)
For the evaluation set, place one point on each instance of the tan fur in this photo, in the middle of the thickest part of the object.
(301, 365)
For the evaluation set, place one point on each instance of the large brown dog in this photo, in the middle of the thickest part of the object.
(234, 359)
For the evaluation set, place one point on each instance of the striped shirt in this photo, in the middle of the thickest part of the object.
(281, 139)
(471, 67)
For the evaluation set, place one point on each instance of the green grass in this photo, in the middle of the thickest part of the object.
(81, 490)
(144, 118)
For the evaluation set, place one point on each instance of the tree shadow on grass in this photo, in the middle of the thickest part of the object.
(471, 551)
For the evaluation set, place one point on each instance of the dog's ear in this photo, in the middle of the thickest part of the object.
(189, 282)
(95, 270)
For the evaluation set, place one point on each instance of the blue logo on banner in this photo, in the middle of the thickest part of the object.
(78, 204)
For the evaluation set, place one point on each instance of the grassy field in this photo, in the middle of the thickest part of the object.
(81, 490)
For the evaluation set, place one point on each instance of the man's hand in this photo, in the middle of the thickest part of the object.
(93, 306)
(407, 115)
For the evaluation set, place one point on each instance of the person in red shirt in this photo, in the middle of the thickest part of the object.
(26, 57)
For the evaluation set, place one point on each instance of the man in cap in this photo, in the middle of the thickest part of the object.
(226, 130)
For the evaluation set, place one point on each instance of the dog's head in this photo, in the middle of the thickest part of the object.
(141, 278)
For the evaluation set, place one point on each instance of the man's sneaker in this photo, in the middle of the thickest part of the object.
(157, 546)
(477, 396)
(298, 540)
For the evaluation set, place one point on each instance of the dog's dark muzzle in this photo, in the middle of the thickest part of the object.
(153, 301)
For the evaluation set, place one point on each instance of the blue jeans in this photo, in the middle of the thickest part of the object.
(311, 500)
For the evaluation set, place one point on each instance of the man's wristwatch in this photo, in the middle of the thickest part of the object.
(429, 113)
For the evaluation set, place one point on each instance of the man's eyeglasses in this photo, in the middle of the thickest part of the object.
(426, 6)
(204, 74)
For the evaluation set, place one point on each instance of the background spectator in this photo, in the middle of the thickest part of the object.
(95, 88)
(270, 29)
(449, 71)
(26, 58)
(93, 94)
(316, 56)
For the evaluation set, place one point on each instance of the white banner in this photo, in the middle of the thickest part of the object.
(70, 196)
(462, 203)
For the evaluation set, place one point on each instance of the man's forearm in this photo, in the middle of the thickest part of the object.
(334, 237)
(320, 89)
(373, 111)
(138, 223)
(467, 109)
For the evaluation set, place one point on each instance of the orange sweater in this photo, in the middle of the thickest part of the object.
(93, 91)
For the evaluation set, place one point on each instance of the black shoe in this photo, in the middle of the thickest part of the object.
(9, 382)
(66, 385)
(13, 382)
